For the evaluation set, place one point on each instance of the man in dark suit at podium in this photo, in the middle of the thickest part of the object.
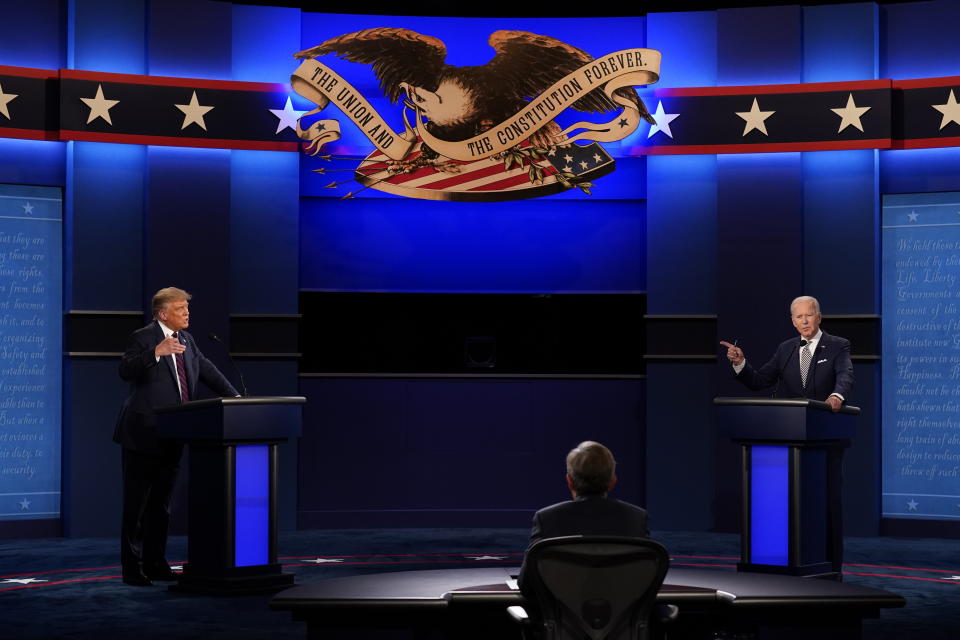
(815, 365)
(163, 365)
(590, 476)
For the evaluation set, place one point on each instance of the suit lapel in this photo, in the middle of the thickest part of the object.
(822, 353)
(167, 360)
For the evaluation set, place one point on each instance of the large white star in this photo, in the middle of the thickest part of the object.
(755, 119)
(850, 115)
(20, 580)
(193, 113)
(99, 106)
(663, 121)
(288, 116)
(912, 216)
(950, 110)
(24, 504)
(27, 208)
(5, 99)
(912, 505)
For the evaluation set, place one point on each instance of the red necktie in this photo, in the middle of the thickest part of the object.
(181, 373)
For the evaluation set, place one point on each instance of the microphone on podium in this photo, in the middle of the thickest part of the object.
(216, 338)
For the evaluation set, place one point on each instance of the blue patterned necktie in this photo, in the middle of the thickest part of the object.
(182, 373)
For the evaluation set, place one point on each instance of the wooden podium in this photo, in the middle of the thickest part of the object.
(792, 462)
(232, 507)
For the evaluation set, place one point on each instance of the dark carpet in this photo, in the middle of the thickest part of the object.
(71, 588)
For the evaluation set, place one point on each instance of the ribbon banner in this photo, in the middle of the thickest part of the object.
(630, 67)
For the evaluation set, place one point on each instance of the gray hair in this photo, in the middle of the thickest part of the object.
(590, 466)
(816, 304)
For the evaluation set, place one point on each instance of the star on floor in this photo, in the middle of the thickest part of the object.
(486, 557)
(193, 113)
(912, 505)
(663, 121)
(324, 560)
(850, 115)
(288, 116)
(99, 106)
(28, 209)
(755, 119)
(24, 504)
(5, 99)
(20, 580)
(950, 110)
(912, 216)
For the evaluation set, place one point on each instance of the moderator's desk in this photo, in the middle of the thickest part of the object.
(471, 603)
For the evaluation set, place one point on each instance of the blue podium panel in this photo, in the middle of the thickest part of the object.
(769, 505)
(252, 508)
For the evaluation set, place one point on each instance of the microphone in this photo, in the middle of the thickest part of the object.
(216, 338)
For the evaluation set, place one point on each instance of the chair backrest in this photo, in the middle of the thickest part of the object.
(595, 587)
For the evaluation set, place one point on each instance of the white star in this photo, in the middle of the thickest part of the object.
(288, 116)
(24, 504)
(5, 99)
(193, 113)
(912, 216)
(323, 560)
(663, 121)
(552, 152)
(21, 580)
(755, 119)
(567, 158)
(568, 169)
(950, 110)
(99, 106)
(486, 557)
(583, 164)
(850, 115)
(28, 208)
(597, 158)
(912, 505)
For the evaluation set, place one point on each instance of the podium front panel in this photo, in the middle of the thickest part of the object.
(252, 505)
(769, 486)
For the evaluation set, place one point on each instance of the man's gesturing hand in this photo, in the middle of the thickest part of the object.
(734, 353)
(169, 346)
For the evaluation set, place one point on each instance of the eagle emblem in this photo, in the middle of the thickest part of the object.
(479, 132)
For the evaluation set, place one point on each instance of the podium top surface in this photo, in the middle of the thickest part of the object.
(228, 402)
(784, 402)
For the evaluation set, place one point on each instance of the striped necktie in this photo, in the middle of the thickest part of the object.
(182, 373)
(804, 363)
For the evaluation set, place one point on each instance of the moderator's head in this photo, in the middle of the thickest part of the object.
(591, 469)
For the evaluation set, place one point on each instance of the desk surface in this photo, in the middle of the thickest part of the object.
(420, 590)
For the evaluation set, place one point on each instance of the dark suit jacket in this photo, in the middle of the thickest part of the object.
(830, 370)
(153, 385)
(588, 515)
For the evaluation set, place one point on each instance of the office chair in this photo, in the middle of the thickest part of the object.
(593, 588)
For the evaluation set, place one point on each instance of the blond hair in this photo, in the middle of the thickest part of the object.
(167, 295)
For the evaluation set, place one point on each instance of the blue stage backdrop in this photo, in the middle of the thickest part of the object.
(30, 351)
(921, 356)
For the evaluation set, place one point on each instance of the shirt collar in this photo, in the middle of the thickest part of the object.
(815, 340)
(167, 331)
